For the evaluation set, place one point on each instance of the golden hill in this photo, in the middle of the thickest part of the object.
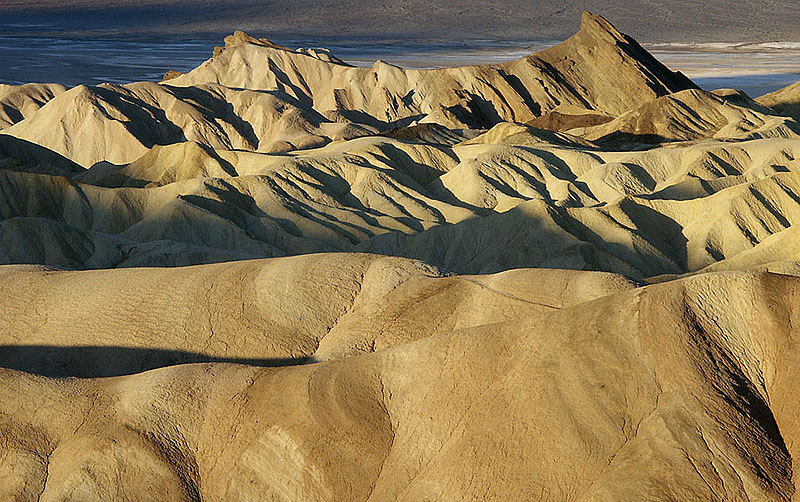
(676, 391)
(282, 277)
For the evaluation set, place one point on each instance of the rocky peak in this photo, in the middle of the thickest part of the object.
(239, 37)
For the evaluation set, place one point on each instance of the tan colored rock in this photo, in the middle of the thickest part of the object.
(309, 281)
(272, 312)
(561, 77)
(691, 378)
(119, 124)
(785, 101)
(691, 115)
(171, 74)
(20, 101)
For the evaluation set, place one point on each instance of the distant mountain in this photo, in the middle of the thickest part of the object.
(648, 20)
(255, 95)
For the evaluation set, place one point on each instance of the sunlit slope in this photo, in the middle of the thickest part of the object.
(674, 391)
(478, 207)
(265, 151)
(271, 312)
(253, 95)
(281, 277)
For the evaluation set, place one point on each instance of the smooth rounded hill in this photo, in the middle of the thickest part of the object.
(675, 391)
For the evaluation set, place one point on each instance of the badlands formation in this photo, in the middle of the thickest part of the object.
(280, 277)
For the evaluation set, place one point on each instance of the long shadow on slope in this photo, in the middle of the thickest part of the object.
(283, 80)
(788, 108)
(475, 111)
(422, 174)
(152, 126)
(623, 141)
(491, 243)
(21, 155)
(97, 361)
(216, 109)
(564, 172)
(528, 236)
(107, 175)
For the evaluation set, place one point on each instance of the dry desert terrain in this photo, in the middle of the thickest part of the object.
(280, 277)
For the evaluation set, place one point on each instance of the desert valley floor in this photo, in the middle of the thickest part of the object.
(279, 277)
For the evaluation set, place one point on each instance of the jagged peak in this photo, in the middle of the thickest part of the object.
(239, 37)
(322, 54)
(600, 43)
(380, 63)
(595, 30)
(597, 25)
